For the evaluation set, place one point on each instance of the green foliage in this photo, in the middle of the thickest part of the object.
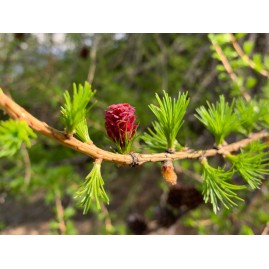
(248, 46)
(219, 119)
(216, 188)
(240, 35)
(82, 131)
(155, 138)
(12, 134)
(92, 189)
(257, 59)
(75, 110)
(126, 149)
(249, 113)
(251, 163)
(169, 114)
(246, 230)
(219, 38)
(266, 62)
(264, 115)
(241, 81)
(250, 82)
(55, 224)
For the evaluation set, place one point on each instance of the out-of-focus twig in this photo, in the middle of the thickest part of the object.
(175, 48)
(189, 173)
(245, 57)
(27, 164)
(163, 61)
(60, 213)
(95, 43)
(228, 68)
(266, 229)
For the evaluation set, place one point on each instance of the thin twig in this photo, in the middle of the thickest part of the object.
(163, 61)
(27, 164)
(266, 229)
(245, 57)
(17, 112)
(228, 68)
(60, 213)
(175, 48)
(93, 53)
(189, 173)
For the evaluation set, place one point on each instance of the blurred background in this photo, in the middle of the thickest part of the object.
(37, 185)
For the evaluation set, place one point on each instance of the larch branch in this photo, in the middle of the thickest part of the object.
(16, 112)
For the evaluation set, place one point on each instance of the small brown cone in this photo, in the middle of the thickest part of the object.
(168, 173)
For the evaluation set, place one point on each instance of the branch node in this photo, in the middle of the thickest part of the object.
(203, 158)
(134, 159)
(170, 151)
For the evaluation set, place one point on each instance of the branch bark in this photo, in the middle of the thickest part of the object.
(18, 113)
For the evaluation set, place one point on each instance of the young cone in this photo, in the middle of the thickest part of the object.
(168, 173)
(120, 123)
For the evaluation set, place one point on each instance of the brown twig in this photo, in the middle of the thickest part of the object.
(228, 68)
(27, 163)
(189, 173)
(225, 62)
(266, 229)
(245, 57)
(17, 112)
(163, 61)
(93, 53)
(60, 213)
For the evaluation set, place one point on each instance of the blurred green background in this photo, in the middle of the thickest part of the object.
(37, 186)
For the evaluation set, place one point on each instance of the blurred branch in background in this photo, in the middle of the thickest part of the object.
(266, 229)
(60, 213)
(246, 58)
(94, 47)
(27, 165)
(229, 69)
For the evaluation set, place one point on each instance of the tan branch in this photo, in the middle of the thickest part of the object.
(93, 53)
(245, 57)
(225, 62)
(17, 112)
(266, 229)
(60, 213)
(27, 163)
(228, 68)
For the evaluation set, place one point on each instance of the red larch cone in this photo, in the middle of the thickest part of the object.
(120, 122)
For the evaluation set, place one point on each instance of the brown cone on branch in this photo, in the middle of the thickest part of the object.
(168, 172)
(137, 224)
(184, 196)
